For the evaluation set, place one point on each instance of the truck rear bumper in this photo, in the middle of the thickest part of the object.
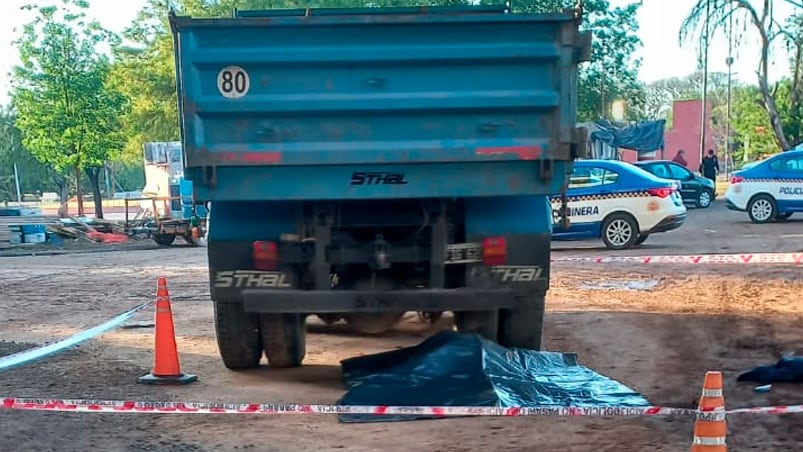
(270, 301)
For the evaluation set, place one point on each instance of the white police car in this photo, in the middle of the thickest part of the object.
(769, 190)
(617, 201)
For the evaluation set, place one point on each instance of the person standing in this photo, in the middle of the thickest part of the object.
(680, 158)
(710, 166)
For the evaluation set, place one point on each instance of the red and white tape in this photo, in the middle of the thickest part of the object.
(755, 258)
(127, 406)
(782, 409)
(121, 406)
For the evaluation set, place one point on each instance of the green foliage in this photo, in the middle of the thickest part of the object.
(661, 94)
(67, 112)
(790, 92)
(751, 126)
(612, 73)
(788, 97)
(128, 176)
(33, 174)
(744, 19)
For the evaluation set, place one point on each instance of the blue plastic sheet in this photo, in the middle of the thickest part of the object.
(451, 369)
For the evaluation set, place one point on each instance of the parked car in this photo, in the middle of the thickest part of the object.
(618, 202)
(694, 188)
(769, 190)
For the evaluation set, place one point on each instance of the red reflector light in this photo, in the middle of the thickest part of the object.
(661, 192)
(494, 251)
(737, 179)
(266, 256)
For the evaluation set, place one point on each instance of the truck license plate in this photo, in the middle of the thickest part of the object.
(463, 253)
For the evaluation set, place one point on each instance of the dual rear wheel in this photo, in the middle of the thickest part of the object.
(520, 327)
(243, 337)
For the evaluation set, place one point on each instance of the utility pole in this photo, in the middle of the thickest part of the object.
(703, 114)
(729, 62)
(17, 181)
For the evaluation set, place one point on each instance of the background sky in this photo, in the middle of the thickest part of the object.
(662, 56)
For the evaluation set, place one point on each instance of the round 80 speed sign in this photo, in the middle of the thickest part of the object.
(233, 82)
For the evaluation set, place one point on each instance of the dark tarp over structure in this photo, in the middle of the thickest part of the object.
(646, 136)
(451, 369)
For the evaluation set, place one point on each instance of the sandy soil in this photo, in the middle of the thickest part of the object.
(659, 341)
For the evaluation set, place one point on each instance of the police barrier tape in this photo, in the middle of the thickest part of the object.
(117, 406)
(754, 258)
(127, 406)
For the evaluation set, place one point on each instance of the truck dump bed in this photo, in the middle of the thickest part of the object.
(377, 103)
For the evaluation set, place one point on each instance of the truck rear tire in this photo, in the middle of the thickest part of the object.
(484, 323)
(238, 337)
(523, 327)
(284, 338)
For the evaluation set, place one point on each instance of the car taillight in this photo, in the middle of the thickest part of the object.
(736, 179)
(662, 192)
(494, 251)
(266, 256)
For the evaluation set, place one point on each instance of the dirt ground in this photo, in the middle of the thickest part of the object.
(659, 340)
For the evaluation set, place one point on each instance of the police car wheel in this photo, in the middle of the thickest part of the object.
(704, 199)
(620, 232)
(761, 209)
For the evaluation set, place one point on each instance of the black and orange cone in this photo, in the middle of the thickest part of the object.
(166, 369)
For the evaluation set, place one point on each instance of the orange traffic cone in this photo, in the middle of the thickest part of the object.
(166, 370)
(710, 428)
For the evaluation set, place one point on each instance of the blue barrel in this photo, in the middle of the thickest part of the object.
(33, 229)
(33, 233)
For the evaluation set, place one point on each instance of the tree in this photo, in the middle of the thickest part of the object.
(612, 73)
(790, 92)
(32, 174)
(661, 94)
(67, 112)
(751, 128)
(717, 13)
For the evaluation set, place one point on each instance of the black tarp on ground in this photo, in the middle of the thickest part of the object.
(451, 369)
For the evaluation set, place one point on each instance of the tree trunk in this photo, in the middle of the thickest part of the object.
(93, 173)
(763, 83)
(63, 185)
(78, 195)
(772, 112)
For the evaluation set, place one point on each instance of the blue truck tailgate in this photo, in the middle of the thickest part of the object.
(317, 104)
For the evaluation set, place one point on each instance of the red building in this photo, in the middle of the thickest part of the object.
(684, 134)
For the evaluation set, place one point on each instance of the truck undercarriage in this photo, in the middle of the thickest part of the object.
(369, 269)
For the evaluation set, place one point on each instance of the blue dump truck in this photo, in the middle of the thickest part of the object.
(364, 163)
